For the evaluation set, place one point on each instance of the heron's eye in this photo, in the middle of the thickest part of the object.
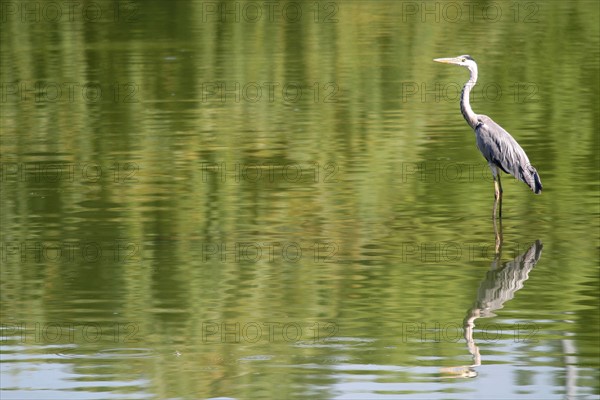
(463, 59)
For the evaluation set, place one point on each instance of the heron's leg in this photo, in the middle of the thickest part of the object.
(499, 236)
(499, 194)
(497, 191)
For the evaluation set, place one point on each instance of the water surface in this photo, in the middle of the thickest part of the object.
(203, 202)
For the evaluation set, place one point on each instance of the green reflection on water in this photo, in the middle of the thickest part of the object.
(165, 173)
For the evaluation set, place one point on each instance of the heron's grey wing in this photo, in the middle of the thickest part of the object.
(501, 149)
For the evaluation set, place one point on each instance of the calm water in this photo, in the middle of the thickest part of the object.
(250, 201)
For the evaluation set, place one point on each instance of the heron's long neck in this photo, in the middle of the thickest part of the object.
(465, 106)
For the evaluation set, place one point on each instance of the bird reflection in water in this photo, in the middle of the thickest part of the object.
(501, 283)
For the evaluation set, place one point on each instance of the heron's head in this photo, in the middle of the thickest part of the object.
(463, 61)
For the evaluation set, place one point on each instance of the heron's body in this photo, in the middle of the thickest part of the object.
(499, 148)
(494, 143)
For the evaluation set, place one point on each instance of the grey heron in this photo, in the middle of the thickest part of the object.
(499, 148)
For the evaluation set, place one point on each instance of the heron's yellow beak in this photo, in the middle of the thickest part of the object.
(453, 60)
